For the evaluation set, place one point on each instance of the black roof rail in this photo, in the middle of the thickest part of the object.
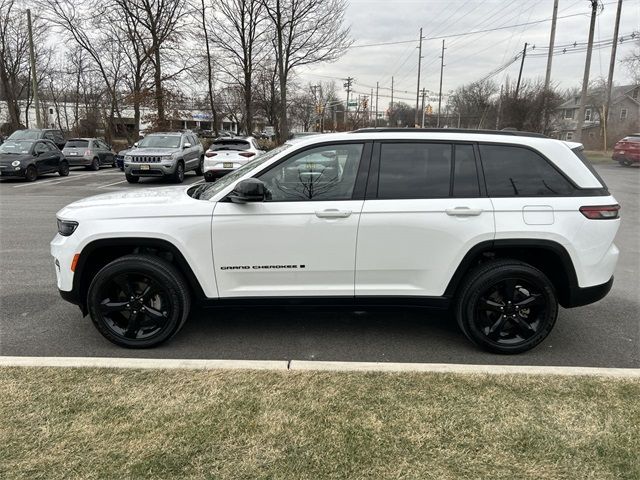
(511, 133)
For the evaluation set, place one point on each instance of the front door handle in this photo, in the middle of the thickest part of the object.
(463, 211)
(333, 213)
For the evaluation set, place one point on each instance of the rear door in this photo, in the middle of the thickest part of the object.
(302, 241)
(425, 208)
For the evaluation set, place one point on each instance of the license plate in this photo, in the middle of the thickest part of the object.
(227, 164)
(73, 153)
(144, 167)
(621, 152)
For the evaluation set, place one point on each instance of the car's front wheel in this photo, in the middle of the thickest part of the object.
(31, 174)
(506, 306)
(63, 169)
(178, 174)
(138, 301)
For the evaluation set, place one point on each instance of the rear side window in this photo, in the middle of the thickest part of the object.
(519, 172)
(230, 145)
(414, 170)
(77, 144)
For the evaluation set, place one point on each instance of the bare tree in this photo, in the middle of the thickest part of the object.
(267, 96)
(472, 103)
(209, 68)
(237, 30)
(632, 62)
(305, 32)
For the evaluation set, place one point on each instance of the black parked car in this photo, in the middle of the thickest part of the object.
(30, 158)
(120, 158)
(55, 135)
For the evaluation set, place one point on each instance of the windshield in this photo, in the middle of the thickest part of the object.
(77, 144)
(25, 135)
(16, 146)
(207, 191)
(229, 145)
(160, 141)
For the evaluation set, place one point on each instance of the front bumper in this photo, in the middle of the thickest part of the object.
(213, 173)
(155, 169)
(12, 171)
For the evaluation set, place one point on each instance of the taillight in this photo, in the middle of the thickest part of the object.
(210, 154)
(247, 154)
(601, 212)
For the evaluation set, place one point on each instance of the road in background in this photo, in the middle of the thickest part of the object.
(34, 320)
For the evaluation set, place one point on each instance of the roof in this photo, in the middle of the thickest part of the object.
(512, 133)
(617, 93)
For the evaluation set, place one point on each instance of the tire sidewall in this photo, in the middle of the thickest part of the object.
(28, 177)
(467, 306)
(63, 170)
(174, 321)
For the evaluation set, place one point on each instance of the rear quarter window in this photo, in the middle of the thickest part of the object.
(512, 171)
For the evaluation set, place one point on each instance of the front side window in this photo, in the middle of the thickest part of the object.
(40, 148)
(322, 173)
(516, 171)
(414, 170)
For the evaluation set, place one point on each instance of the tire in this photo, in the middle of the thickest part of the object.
(178, 174)
(490, 307)
(63, 169)
(31, 174)
(138, 301)
(95, 165)
(132, 178)
(200, 168)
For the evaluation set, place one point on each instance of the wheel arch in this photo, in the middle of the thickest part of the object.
(546, 255)
(99, 253)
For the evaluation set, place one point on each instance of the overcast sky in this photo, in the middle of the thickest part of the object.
(471, 57)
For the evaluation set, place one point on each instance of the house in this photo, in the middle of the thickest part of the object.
(624, 117)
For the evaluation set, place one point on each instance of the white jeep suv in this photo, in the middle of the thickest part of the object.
(501, 227)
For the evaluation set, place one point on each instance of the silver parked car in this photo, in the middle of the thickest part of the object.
(167, 155)
(91, 153)
(226, 154)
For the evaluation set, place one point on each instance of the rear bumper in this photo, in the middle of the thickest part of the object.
(584, 296)
(78, 161)
(212, 174)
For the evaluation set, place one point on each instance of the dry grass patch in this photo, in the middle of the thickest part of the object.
(94, 423)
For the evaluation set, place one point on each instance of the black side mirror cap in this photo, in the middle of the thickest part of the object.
(249, 190)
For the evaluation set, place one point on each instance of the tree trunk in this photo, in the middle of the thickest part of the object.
(247, 103)
(158, 83)
(12, 104)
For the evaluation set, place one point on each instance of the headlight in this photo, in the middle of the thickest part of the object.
(127, 158)
(15, 163)
(66, 227)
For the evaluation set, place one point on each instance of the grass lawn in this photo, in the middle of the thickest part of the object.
(598, 156)
(95, 423)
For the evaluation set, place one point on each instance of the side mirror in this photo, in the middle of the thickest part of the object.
(186, 145)
(135, 145)
(249, 190)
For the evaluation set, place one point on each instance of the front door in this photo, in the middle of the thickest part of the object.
(301, 241)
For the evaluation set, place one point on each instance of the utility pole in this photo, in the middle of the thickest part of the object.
(377, 91)
(499, 109)
(587, 66)
(424, 93)
(612, 64)
(552, 41)
(371, 107)
(347, 85)
(419, 68)
(524, 54)
(34, 79)
(391, 104)
(440, 93)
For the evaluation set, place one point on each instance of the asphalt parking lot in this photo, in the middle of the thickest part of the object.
(34, 320)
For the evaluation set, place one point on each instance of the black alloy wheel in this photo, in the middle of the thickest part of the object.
(507, 307)
(138, 301)
(63, 169)
(31, 174)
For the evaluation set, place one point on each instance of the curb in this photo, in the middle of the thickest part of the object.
(302, 365)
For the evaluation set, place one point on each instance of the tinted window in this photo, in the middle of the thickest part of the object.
(414, 170)
(515, 171)
(160, 141)
(465, 175)
(229, 145)
(321, 173)
(77, 144)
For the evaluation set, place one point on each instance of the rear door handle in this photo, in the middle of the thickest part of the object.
(333, 213)
(463, 211)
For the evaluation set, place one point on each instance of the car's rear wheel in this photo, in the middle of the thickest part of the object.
(63, 169)
(625, 163)
(200, 169)
(506, 306)
(31, 174)
(95, 165)
(138, 301)
(178, 174)
(131, 178)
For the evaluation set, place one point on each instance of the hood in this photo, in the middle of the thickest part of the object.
(138, 197)
(152, 151)
(8, 158)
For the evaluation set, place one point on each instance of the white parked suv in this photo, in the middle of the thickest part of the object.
(501, 227)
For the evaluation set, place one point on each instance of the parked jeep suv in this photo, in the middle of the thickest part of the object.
(167, 155)
(500, 227)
